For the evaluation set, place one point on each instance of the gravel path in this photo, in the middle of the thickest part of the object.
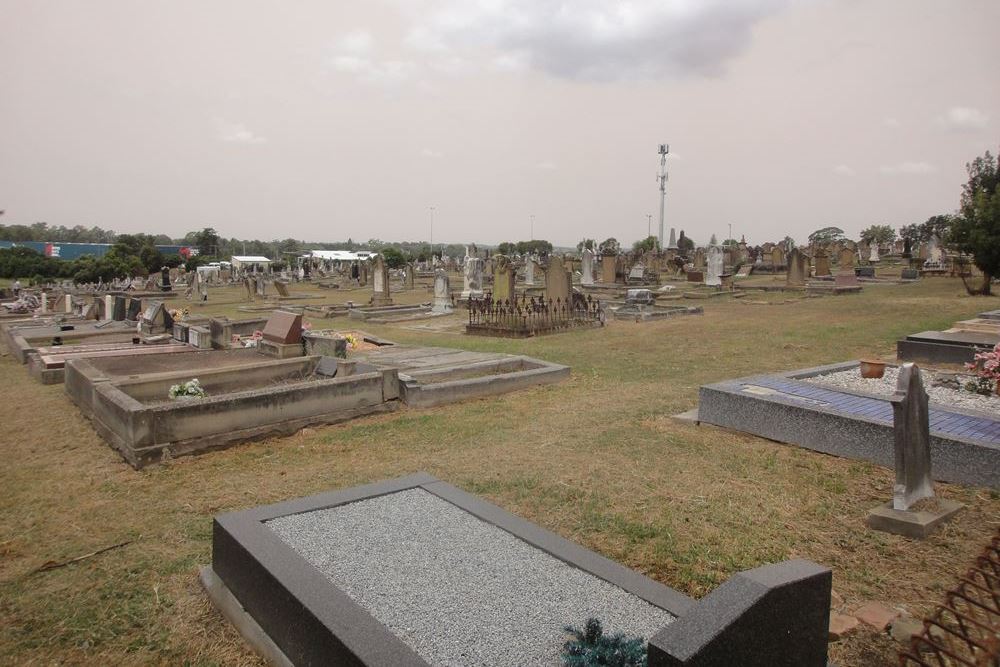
(458, 590)
(886, 386)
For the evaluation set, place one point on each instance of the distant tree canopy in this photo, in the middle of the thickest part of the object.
(586, 243)
(609, 247)
(827, 235)
(977, 230)
(536, 247)
(878, 234)
(646, 244)
(395, 259)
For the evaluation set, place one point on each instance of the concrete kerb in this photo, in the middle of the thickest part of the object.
(955, 458)
(775, 615)
(417, 392)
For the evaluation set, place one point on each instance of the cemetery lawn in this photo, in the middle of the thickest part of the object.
(597, 459)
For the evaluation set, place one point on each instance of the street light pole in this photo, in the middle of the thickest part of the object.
(532, 226)
(432, 229)
(649, 225)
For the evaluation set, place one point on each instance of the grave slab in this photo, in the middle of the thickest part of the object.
(273, 565)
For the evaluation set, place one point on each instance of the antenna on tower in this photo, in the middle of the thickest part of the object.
(662, 178)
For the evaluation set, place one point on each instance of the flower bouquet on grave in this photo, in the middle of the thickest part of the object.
(987, 369)
(352, 341)
(185, 390)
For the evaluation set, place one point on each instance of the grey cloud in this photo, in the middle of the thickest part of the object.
(594, 40)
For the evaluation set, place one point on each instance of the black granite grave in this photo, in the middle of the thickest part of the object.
(944, 347)
(118, 313)
(774, 615)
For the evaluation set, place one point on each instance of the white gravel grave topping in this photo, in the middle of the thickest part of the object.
(886, 386)
(458, 590)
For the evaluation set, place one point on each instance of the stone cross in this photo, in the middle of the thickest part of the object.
(911, 431)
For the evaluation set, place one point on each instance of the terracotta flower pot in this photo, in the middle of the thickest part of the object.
(872, 369)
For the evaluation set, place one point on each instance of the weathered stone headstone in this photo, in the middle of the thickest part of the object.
(118, 314)
(873, 255)
(672, 244)
(797, 268)
(109, 307)
(165, 279)
(912, 439)
(44, 302)
(156, 319)
(777, 256)
(846, 258)
(587, 267)
(637, 272)
(822, 264)
(529, 270)
(608, 264)
(281, 288)
(503, 278)
(699, 259)
(716, 266)
(284, 328)
(411, 272)
(380, 283)
(134, 308)
(473, 273)
(912, 447)
(442, 293)
(558, 281)
(845, 279)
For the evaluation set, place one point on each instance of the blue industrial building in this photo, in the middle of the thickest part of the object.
(71, 251)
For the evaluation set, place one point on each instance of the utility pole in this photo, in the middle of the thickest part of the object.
(649, 225)
(432, 228)
(662, 178)
(730, 230)
(532, 227)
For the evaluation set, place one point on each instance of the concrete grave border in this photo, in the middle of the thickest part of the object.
(293, 615)
(806, 424)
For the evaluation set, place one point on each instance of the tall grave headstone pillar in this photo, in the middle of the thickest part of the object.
(442, 293)
(503, 278)
(914, 487)
(587, 267)
(380, 283)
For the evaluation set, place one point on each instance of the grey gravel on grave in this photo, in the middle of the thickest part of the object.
(457, 590)
(886, 386)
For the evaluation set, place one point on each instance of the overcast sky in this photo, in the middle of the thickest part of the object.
(325, 119)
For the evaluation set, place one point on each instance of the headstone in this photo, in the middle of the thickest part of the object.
(716, 267)
(156, 319)
(281, 288)
(822, 264)
(380, 283)
(165, 279)
(873, 255)
(503, 278)
(910, 274)
(411, 272)
(44, 302)
(934, 253)
(695, 276)
(608, 263)
(797, 268)
(864, 271)
(473, 274)
(558, 281)
(529, 270)
(846, 258)
(777, 256)
(284, 328)
(637, 272)
(109, 307)
(442, 293)
(911, 439)
(672, 245)
(587, 267)
(118, 314)
(134, 308)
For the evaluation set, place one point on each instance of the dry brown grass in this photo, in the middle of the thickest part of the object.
(596, 459)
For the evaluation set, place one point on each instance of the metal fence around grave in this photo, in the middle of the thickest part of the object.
(965, 630)
(524, 316)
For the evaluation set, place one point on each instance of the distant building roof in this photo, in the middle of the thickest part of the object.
(342, 255)
(251, 259)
